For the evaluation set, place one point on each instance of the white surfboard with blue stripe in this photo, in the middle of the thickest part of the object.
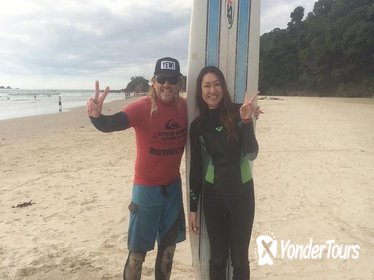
(226, 34)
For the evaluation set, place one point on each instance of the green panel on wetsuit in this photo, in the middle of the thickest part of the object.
(245, 171)
(209, 175)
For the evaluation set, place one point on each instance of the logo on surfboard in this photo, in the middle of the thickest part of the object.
(229, 12)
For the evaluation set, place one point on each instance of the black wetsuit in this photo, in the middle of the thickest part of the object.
(228, 202)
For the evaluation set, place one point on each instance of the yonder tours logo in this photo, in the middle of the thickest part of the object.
(270, 250)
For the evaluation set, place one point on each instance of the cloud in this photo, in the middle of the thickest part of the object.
(46, 38)
(64, 42)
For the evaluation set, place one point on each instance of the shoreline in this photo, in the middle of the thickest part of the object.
(362, 100)
(49, 122)
(24, 104)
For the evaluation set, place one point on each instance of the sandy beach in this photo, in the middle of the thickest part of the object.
(313, 183)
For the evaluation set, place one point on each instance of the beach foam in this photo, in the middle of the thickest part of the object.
(17, 103)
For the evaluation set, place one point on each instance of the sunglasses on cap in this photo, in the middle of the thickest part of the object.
(171, 79)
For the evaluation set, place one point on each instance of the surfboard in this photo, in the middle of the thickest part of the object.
(226, 34)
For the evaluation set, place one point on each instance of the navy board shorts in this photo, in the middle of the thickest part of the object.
(156, 213)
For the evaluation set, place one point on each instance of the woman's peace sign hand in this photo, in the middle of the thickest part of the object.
(247, 109)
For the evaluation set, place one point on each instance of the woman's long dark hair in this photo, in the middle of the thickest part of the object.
(228, 112)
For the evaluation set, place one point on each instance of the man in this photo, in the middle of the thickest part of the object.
(156, 209)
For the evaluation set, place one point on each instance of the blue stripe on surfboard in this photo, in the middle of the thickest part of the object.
(213, 31)
(242, 46)
(211, 58)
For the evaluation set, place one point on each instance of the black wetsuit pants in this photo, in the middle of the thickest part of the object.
(229, 220)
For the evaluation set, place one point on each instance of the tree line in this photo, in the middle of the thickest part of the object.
(330, 53)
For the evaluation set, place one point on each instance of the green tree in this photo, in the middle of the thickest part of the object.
(296, 16)
(331, 52)
(137, 84)
(323, 7)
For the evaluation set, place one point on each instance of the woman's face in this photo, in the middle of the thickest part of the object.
(167, 87)
(211, 90)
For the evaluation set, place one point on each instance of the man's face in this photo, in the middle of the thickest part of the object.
(167, 87)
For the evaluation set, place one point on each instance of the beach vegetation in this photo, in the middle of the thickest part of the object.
(329, 53)
(137, 84)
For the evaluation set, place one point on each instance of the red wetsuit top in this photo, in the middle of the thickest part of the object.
(160, 140)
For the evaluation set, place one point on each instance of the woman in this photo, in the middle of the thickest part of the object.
(222, 141)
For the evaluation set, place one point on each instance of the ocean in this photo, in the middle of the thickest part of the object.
(16, 103)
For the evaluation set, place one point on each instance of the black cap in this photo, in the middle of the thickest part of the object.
(167, 65)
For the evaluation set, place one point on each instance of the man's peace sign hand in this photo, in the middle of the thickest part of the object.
(95, 105)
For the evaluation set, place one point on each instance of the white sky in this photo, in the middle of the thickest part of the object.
(68, 44)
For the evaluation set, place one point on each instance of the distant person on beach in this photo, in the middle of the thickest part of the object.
(59, 104)
(156, 209)
(222, 141)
